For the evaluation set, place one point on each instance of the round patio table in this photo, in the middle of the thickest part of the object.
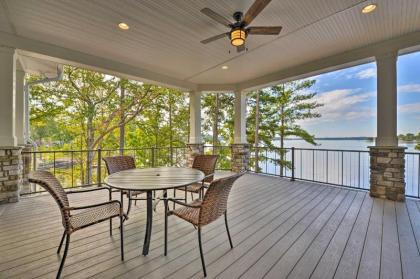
(149, 180)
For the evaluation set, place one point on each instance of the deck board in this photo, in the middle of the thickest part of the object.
(280, 229)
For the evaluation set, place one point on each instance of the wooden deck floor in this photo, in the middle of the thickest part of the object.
(280, 229)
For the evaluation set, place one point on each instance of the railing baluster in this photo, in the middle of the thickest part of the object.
(99, 167)
(54, 161)
(313, 164)
(72, 168)
(359, 171)
(342, 168)
(293, 164)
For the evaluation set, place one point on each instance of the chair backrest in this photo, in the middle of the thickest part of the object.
(207, 164)
(119, 163)
(215, 200)
(50, 183)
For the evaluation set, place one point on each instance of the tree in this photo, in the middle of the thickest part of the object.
(218, 124)
(281, 108)
(91, 102)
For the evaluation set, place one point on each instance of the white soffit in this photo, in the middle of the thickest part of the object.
(164, 36)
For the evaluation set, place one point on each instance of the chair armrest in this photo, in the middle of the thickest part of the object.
(91, 205)
(88, 190)
(184, 204)
(207, 176)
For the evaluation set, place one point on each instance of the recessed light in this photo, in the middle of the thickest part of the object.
(225, 67)
(368, 8)
(123, 26)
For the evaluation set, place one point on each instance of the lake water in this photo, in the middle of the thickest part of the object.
(349, 167)
(343, 144)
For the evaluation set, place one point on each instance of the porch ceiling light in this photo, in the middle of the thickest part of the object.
(237, 37)
(225, 67)
(369, 8)
(123, 26)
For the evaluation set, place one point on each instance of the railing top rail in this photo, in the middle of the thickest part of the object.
(95, 150)
(310, 149)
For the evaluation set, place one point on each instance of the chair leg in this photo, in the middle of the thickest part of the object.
(227, 230)
(66, 249)
(201, 252)
(174, 198)
(110, 220)
(61, 242)
(166, 223)
(129, 205)
(192, 196)
(185, 191)
(122, 237)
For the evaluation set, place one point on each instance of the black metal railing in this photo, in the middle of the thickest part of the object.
(71, 166)
(348, 168)
(412, 174)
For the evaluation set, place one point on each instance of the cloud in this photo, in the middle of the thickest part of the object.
(409, 88)
(409, 108)
(343, 104)
(366, 74)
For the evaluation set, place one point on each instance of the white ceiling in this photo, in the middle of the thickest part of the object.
(165, 35)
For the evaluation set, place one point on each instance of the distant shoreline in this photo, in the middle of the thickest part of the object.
(337, 138)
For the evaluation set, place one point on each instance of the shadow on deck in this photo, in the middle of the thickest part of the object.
(280, 229)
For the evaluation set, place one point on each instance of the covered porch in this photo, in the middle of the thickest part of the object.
(280, 229)
(31, 46)
(296, 227)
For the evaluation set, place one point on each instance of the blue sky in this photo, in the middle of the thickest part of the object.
(349, 98)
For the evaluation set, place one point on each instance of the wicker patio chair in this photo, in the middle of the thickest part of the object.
(79, 217)
(206, 164)
(203, 212)
(120, 163)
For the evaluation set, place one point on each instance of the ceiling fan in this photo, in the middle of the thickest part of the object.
(239, 30)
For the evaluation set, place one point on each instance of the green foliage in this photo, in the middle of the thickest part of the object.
(409, 137)
(87, 109)
(281, 107)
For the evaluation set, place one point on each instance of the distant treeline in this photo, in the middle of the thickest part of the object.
(341, 138)
(409, 137)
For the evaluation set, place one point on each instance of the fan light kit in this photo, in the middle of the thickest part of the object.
(369, 8)
(123, 26)
(239, 30)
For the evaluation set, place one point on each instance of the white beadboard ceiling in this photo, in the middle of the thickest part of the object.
(164, 35)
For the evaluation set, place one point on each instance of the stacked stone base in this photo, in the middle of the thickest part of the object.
(10, 174)
(240, 157)
(387, 172)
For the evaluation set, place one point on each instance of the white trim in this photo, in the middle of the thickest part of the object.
(404, 44)
(62, 55)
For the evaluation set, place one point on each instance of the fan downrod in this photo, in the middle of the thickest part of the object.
(237, 16)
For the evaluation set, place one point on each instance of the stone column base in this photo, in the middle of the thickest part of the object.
(10, 173)
(194, 149)
(387, 172)
(240, 156)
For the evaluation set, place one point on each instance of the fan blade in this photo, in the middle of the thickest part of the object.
(214, 38)
(254, 10)
(215, 16)
(264, 30)
(240, 48)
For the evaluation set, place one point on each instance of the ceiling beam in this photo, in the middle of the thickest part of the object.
(67, 56)
(404, 44)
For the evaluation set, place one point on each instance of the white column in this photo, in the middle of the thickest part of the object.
(195, 117)
(239, 131)
(387, 99)
(7, 96)
(20, 110)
